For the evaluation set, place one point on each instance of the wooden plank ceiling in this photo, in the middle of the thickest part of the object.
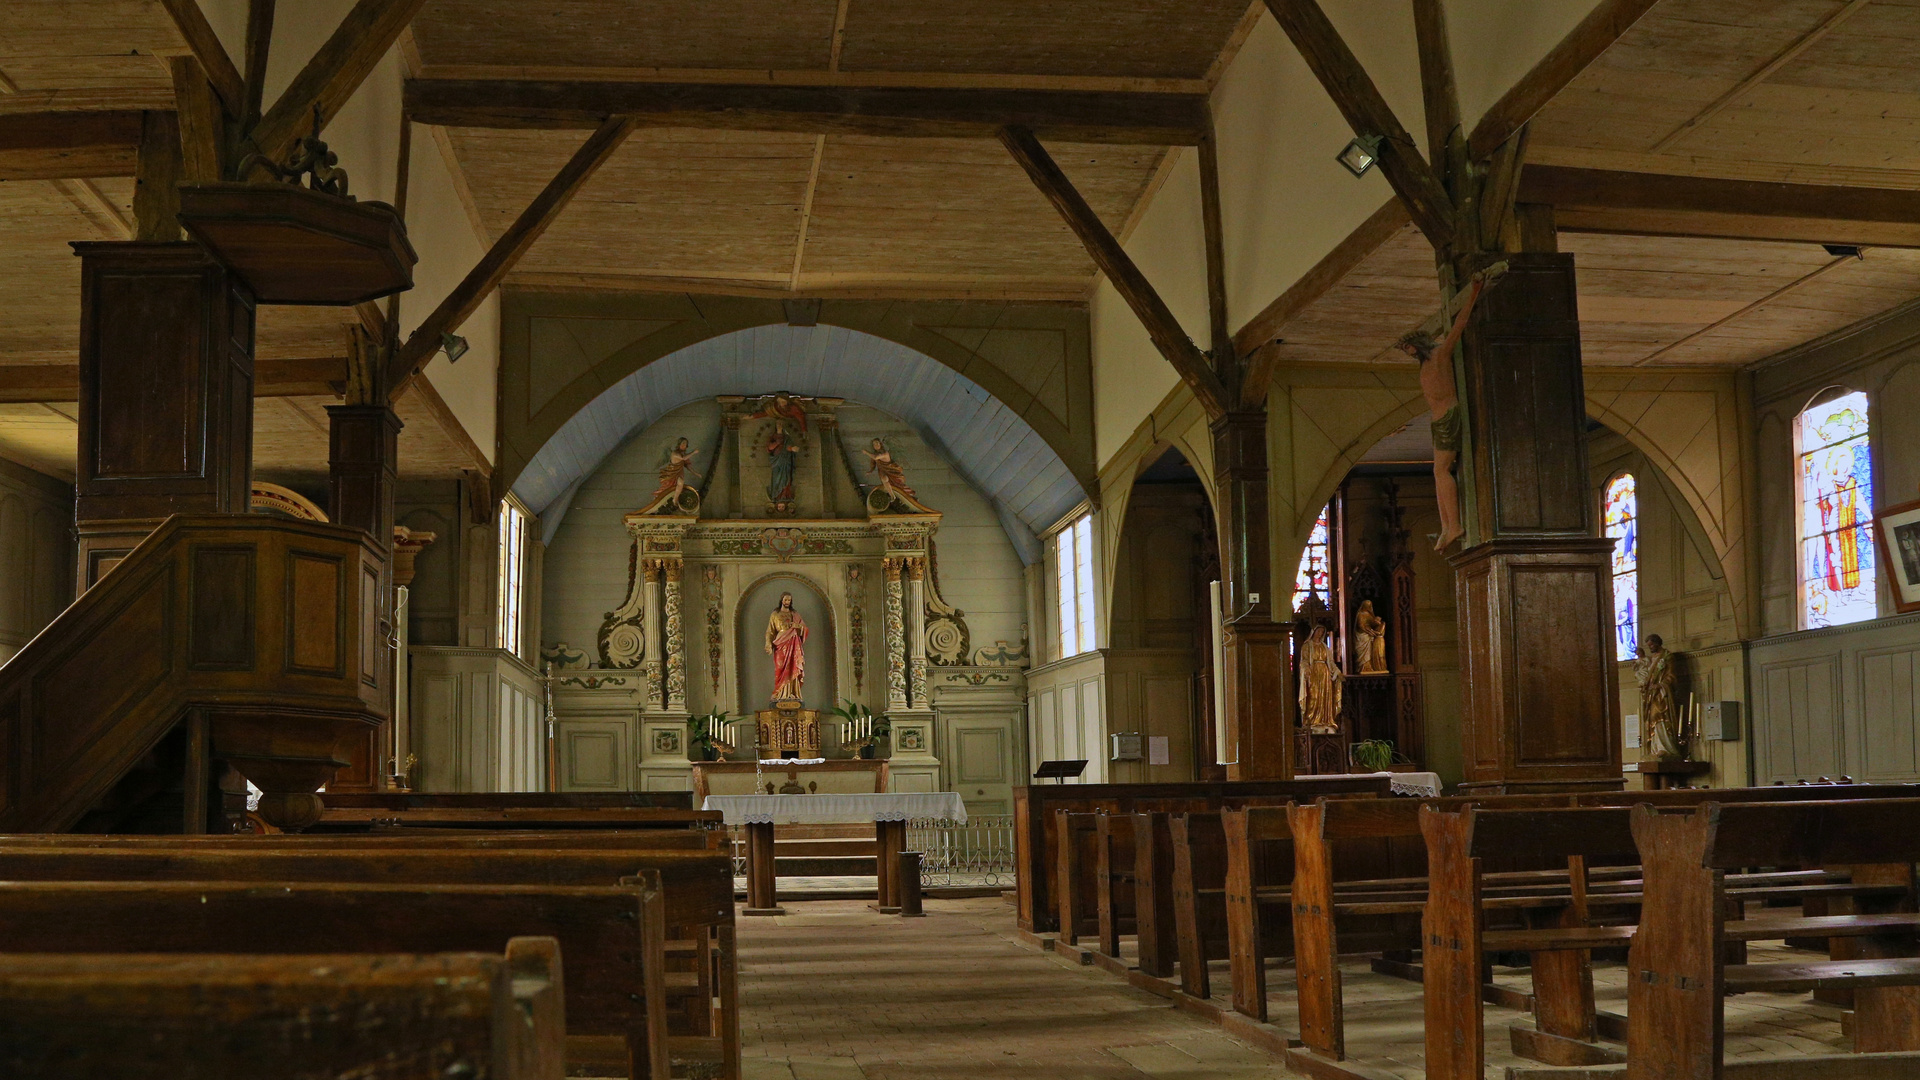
(827, 215)
(1820, 92)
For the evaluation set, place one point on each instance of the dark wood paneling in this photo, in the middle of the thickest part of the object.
(150, 334)
(220, 590)
(316, 600)
(84, 690)
(1557, 608)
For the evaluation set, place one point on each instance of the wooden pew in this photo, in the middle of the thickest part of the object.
(1036, 848)
(498, 800)
(697, 901)
(612, 936)
(353, 819)
(1554, 925)
(1076, 868)
(1156, 934)
(395, 1017)
(1677, 972)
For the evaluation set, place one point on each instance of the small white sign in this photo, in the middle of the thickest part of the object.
(1157, 750)
(1631, 737)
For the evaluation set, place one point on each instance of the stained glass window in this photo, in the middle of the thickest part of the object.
(1316, 571)
(1836, 513)
(1620, 509)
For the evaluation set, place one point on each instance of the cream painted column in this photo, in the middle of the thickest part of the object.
(656, 673)
(896, 634)
(917, 631)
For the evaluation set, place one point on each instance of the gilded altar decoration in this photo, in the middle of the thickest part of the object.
(673, 496)
(710, 587)
(675, 649)
(857, 625)
(786, 641)
(622, 639)
(1653, 674)
(896, 631)
(949, 640)
(1370, 640)
(1321, 685)
(787, 730)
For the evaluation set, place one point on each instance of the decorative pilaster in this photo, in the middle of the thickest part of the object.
(856, 626)
(896, 637)
(650, 589)
(711, 588)
(917, 631)
(675, 646)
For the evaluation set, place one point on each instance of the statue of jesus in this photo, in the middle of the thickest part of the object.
(786, 638)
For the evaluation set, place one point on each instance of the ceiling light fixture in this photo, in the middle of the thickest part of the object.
(1360, 155)
(454, 346)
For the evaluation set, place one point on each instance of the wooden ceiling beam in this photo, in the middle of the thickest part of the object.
(68, 145)
(501, 258)
(296, 377)
(333, 74)
(1651, 204)
(1090, 116)
(1112, 259)
(1369, 115)
(206, 48)
(1603, 26)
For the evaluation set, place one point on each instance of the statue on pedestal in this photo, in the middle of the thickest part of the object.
(1321, 685)
(1653, 673)
(786, 641)
(1370, 640)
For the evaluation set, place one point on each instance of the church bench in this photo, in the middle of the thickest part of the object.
(1115, 879)
(1036, 854)
(1677, 965)
(351, 819)
(381, 1017)
(696, 901)
(1200, 897)
(395, 840)
(498, 800)
(611, 937)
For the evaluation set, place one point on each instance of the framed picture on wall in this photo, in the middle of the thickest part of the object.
(1899, 529)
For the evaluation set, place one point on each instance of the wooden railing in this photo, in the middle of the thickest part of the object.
(261, 636)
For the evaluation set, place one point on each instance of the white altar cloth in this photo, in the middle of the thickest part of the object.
(1424, 785)
(838, 809)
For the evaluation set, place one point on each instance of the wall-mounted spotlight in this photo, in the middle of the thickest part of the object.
(454, 346)
(1360, 155)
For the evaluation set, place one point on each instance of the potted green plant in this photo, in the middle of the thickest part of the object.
(1372, 755)
(703, 736)
(861, 729)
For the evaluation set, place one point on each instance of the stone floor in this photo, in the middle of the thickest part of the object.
(833, 991)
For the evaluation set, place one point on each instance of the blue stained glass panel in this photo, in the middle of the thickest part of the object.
(1620, 510)
(1837, 566)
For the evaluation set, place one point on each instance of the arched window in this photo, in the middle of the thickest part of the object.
(1315, 574)
(1620, 509)
(1836, 512)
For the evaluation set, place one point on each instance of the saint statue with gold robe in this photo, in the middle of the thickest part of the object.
(786, 641)
(1322, 685)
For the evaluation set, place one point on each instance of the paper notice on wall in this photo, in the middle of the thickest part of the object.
(1631, 738)
(1157, 750)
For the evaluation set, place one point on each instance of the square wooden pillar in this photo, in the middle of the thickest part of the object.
(166, 394)
(362, 470)
(1257, 684)
(1535, 591)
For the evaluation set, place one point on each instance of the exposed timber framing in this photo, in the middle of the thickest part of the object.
(1226, 362)
(206, 48)
(259, 45)
(1165, 330)
(297, 377)
(1651, 204)
(1177, 119)
(67, 145)
(1576, 52)
(203, 128)
(333, 74)
(105, 215)
(505, 252)
(1254, 341)
(1368, 113)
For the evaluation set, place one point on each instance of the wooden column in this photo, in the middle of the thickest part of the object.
(362, 471)
(166, 394)
(761, 896)
(1257, 694)
(1535, 592)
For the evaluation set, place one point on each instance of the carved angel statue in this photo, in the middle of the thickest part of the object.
(893, 478)
(1653, 673)
(1322, 686)
(673, 475)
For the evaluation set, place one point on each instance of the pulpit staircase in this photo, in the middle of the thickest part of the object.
(240, 639)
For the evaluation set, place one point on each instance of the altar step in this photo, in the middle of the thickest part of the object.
(815, 848)
(793, 866)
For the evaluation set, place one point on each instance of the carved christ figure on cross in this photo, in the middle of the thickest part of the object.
(786, 641)
(1443, 400)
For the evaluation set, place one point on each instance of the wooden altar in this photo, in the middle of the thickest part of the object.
(838, 776)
